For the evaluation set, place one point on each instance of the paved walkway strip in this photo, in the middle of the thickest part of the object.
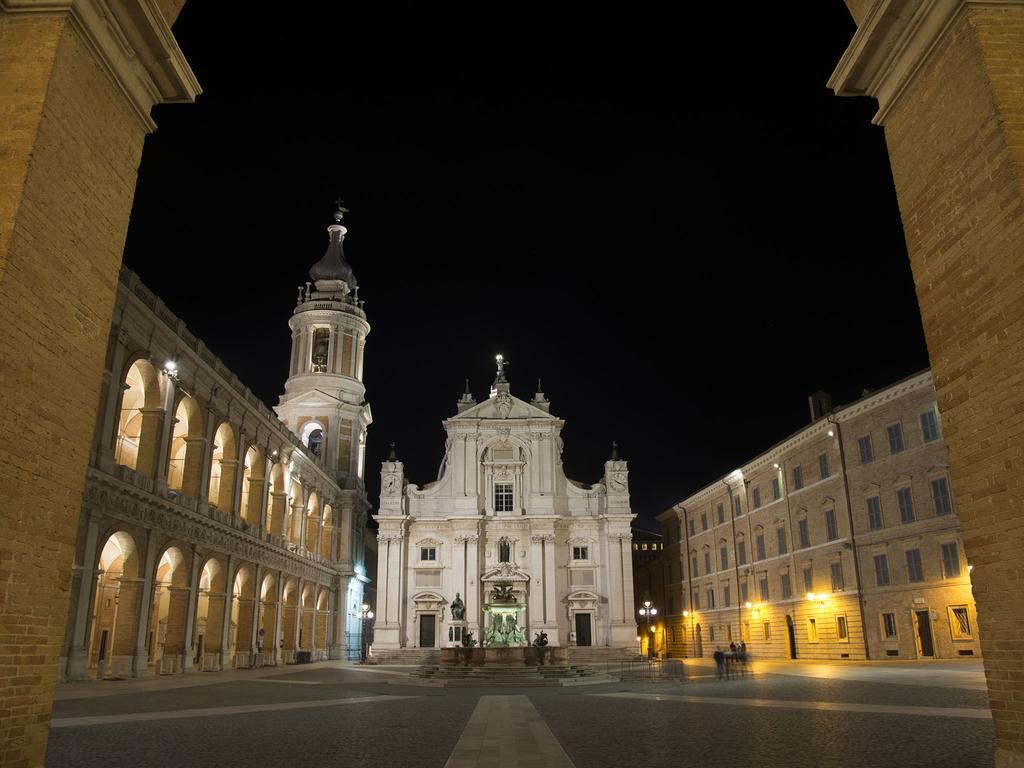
(177, 714)
(833, 706)
(507, 732)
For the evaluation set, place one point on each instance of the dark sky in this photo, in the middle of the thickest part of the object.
(668, 218)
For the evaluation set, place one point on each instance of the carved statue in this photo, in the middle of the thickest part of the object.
(458, 608)
(541, 640)
(467, 640)
(502, 593)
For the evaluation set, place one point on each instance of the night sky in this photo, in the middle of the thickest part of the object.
(669, 218)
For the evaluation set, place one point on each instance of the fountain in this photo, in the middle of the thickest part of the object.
(504, 631)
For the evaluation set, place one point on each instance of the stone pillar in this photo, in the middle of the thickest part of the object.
(254, 627)
(192, 472)
(345, 525)
(190, 615)
(225, 627)
(227, 500)
(78, 653)
(949, 80)
(278, 513)
(109, 415)
(141, 664)
(275, 638)
(551, 590)
(153, 420)
(536, 606)
(206, 462)
(474, 611)
(166, 430)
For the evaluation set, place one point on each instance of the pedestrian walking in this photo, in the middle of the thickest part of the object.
(719, 658)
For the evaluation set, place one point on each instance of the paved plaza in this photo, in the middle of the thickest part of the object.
(928, 714)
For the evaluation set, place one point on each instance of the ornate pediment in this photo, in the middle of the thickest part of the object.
(504, 406)
(505, 572)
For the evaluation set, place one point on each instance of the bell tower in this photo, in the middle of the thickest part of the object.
(324, 397)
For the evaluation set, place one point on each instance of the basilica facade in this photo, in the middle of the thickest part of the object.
(503, 526)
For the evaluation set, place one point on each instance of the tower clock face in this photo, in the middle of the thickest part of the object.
(390, 484)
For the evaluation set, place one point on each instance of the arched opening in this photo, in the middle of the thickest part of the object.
(290, 623)
(222, 468)
(170, 608)
(266, 635)
(295, 515)
(112, 638)
(252, 486)
(328, 532)
(698, 641)
(307, 636)
(313, 522)
(138, 422)
(210, 616)
(323, 603)
(277, 501)
(313, 437)
(186, 450)
(242, 606)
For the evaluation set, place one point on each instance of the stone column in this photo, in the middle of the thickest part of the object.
(254, 629)
(225, 627)
(192, 472)
(474, 611)
(538, 617)
(145, 607)
(551, 589)
(336, 647)
(166, 430)
(227, 499)
(949, 82)
(190, 615)
(206, 461)
(78, 653)
(153, 420)
(275, 638)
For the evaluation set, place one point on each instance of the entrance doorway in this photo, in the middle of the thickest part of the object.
(583, 630)
(698, 641)
(428, 630)
(924, 633)
(791, 633)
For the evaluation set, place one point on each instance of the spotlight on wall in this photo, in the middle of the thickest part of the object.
(831, 433)
(749, 605)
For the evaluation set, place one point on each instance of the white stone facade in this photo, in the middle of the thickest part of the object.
(504, 511)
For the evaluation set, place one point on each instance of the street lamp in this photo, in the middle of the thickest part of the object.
(648, 612)
(367, 616)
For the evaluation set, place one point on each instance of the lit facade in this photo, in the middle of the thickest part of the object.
(503, 511)
(212, 535)
(841, 542)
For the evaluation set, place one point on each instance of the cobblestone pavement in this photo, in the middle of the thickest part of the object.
(333, 714)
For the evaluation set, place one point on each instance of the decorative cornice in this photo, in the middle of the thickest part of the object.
(133, 42)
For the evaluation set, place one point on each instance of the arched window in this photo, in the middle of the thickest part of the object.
(129, 425)
(223, 451)
(250, 458)
(315, 441)
(179, 445)
(321, 347)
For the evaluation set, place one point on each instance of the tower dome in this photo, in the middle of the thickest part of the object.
(333, 265)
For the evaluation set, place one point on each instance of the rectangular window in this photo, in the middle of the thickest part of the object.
(805, 533)
(787, 587)
(703, 521)
(428, 553)
(874, 513)
(867, 454)
(741, 549)
(580, 553)
(915, 572)
(842, 629)
(823, 465)
(837, 577)
(940, 495)
(929, 426)
(720, 510)
(960, 622)
(881, 571)
(762, 587)
(707, 561)
(711, 599)
(831, 527)
(776, 489)
(695, 571)
(756, 495)
(737, 508)
(798, 478)
(895, 433)
(693, 531)
(767, 630)
(711, 634)
(889, 626)
(781, 535)
(759, 543)
(503, 497)
(671, 604)
(726, 596)
(723, 554)
(906, 504)
(951, 560)
(808, 579)
(696, 600)
(743, 592)
(812, 630)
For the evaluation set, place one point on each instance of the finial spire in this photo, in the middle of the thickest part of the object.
(392, 456)
(615, 451)
(339, 214)
(466, 390)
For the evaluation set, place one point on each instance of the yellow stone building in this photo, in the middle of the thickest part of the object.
(212, 536)
(840, 542)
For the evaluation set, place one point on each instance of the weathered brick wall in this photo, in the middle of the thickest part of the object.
(956, 141)
(70, 149)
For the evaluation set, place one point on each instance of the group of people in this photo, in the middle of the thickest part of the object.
(733, 661)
